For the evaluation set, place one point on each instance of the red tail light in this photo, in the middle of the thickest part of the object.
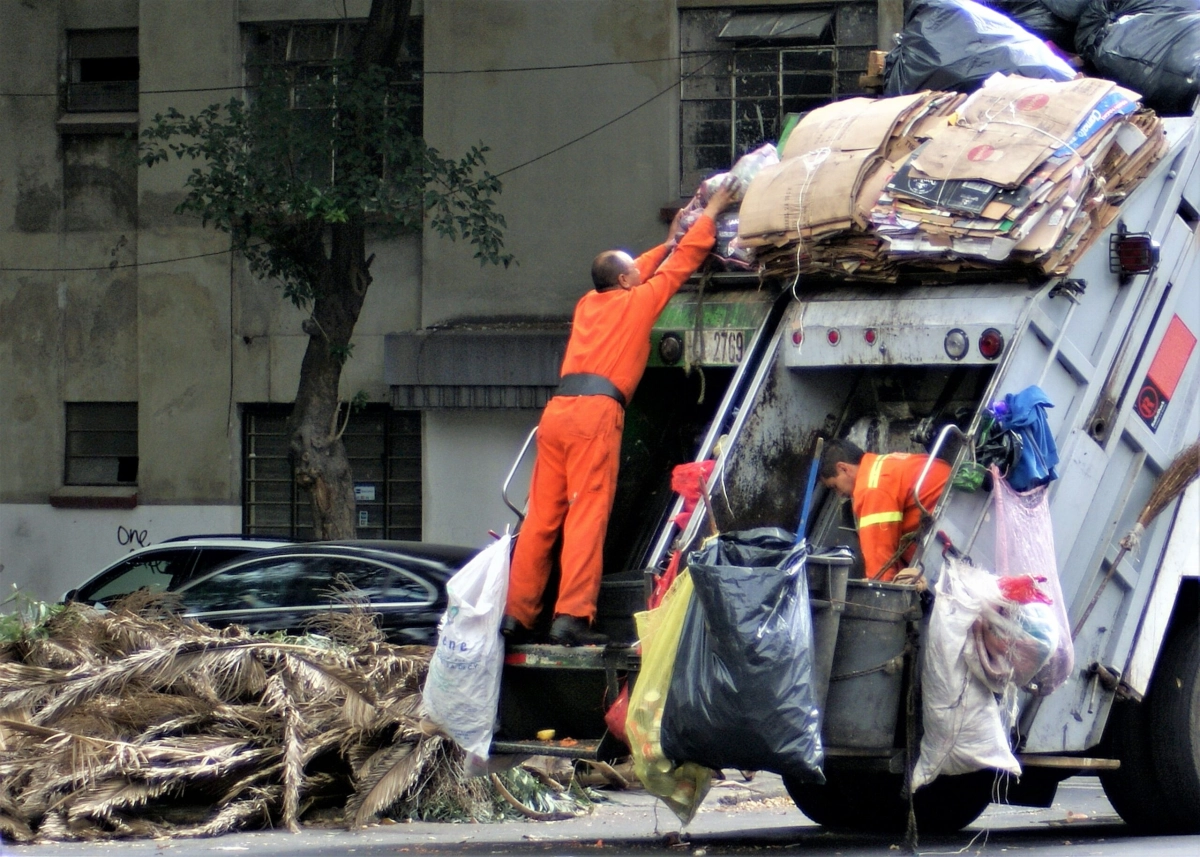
(991, 343)
(1132, 253)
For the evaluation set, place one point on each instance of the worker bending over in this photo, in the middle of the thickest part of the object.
(885, 510)
(579, 435)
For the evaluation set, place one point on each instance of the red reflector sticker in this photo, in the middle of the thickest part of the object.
(1165, 371)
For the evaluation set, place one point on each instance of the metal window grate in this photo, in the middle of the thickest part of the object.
(101, 443)
(739, 86)
(384, 448)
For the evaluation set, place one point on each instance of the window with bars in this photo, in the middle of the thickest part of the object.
(102, 443)
(743, 71)
(306, 51)
(384, 448)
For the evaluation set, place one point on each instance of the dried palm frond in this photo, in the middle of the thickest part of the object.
(233, 816)
(279, 696)
(387, 776)
(349, 620)
(328, 679)
(104, 798)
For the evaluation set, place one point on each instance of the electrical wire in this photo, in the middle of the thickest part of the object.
(111, 267)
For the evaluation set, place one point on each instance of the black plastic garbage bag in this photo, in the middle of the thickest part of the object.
(1039, 18)
(957, 44)
(741, 693)
(1098, 15)
(1157, 55)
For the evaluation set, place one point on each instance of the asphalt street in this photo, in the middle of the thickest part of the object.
(737, 818)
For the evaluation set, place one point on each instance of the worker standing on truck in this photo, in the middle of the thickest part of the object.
(885, 510)
(579, 435)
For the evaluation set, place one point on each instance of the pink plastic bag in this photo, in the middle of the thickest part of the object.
(1025, 546)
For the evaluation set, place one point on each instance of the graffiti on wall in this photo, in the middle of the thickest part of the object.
(132, 538)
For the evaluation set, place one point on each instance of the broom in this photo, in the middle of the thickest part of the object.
(1170, 485)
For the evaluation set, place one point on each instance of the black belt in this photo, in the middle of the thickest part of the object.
(587, 384)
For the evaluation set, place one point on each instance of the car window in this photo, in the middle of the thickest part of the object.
(210, 558)
(408, 589)
(155, 572)
(257, 584)
(326, 576)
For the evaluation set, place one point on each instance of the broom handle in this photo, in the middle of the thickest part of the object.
(1108, 575)
(806, 506)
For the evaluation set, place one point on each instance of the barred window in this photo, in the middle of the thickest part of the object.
(384, 448)
(744, 72)
(102, 443)
(305, 51)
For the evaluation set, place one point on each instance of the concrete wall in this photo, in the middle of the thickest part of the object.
(604, 191)
(467, 455)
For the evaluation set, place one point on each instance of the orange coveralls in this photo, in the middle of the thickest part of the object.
(884, 507)
(579, 437)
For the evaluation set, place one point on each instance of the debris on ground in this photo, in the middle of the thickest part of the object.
(135, 722)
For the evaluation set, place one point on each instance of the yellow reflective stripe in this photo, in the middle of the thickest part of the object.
(880, 518)
(876, 467)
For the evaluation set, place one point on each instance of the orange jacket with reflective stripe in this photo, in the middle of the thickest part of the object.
(610, 331)
(884, 507)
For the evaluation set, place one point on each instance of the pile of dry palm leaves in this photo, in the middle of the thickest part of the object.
(135, 722)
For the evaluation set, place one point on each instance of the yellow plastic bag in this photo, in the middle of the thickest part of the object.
(681, 787)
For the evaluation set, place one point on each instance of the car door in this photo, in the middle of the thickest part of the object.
(259, 593)
(156, 571)
(410, 608)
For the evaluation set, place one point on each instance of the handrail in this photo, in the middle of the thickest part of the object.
(937, 445)
(512, 471)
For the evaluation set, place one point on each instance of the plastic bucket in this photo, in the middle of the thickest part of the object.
(827, 574)
(865, 687)
(621, 595)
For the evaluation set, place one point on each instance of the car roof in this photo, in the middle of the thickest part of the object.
(249, 542)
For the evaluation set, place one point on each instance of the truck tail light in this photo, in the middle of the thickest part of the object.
(834, 336)
(670, 348)
(991, 343)
(1132, 253)
(797, 336)
(957, 344)
(869, 336)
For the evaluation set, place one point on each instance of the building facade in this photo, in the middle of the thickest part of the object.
(145, 375)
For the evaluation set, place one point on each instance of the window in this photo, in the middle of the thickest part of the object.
(305, 51)
(745, 71)
(384, 447)
(102, 71)
(155, 572)
(102, 443)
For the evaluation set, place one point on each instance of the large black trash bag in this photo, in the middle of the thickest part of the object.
(742, 692)
(957, 44)
(1157, 55)
(1098, 15)
(1039, 18)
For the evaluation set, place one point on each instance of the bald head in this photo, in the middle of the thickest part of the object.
(608, 267)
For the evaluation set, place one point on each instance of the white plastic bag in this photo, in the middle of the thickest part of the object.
(462, 689)
(963, 722)
(1025, 545)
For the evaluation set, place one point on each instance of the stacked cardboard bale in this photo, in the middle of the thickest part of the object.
(1021, 173)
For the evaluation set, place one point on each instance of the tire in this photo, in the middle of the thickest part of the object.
(1157, 787)
(871, 801)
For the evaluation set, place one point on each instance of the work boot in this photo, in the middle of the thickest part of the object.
(514, 633)
(574, 631)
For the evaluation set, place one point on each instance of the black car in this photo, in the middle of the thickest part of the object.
(165, 566)
(281, 589)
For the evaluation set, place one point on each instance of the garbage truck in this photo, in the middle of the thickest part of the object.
(752, 374)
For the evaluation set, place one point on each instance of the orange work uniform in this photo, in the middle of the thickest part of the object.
(579, 437)
(885, 509)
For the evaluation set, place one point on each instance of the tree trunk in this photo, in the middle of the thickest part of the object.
(320, 461)
(321, 465)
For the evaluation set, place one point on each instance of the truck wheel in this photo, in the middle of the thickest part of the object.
(867, 800)
(1157, 787)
